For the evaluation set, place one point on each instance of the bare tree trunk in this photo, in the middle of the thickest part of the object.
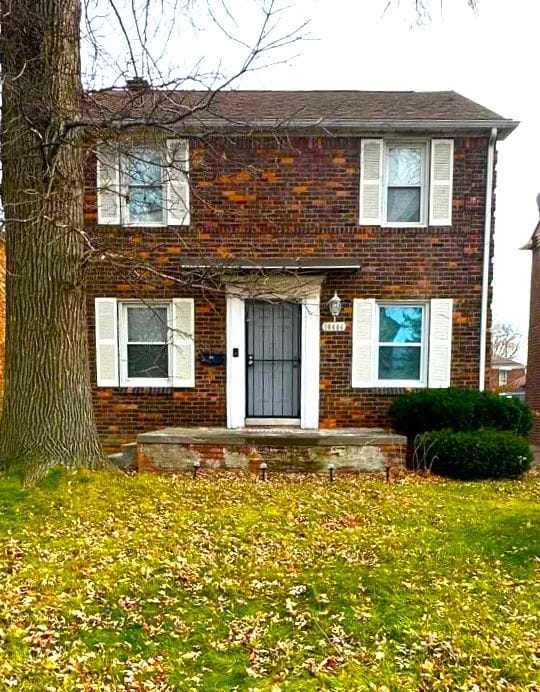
(48, 418)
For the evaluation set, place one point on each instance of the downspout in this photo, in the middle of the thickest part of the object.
(487, 258)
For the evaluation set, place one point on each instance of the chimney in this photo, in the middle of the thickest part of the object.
(538, 202)
(137, 83)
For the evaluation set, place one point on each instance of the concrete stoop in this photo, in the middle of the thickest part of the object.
(173, 450)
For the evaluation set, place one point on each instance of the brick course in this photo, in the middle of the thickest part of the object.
(263, 197)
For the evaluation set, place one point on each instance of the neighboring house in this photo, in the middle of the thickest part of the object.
(507, 375)
(254, 213)
(532, 389)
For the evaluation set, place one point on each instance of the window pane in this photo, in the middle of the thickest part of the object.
(145, 203)
(148, 361)
(144, 167)
(405, 165)
(147, 324)
(399, 363)
(400, 324)
(403, 204)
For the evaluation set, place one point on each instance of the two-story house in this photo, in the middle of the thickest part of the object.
(234, 231)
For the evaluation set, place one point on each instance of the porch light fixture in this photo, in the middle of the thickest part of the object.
(334, 305)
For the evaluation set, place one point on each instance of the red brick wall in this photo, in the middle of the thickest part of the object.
(532, 388)
(262, 197)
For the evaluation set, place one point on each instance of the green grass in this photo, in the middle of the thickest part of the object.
(135, 583)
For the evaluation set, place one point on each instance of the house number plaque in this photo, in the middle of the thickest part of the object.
(333, 326)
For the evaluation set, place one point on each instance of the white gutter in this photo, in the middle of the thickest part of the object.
(487, 258)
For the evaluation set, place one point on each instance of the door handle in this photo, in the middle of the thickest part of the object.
(250, 359)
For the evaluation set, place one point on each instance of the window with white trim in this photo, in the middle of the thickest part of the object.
(145, 344)
(144, 185)
(406, 182)
(401, 344)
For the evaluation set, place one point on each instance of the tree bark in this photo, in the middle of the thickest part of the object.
(48, 418)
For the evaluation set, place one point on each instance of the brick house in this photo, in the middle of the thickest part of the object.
(272, 204)
(532, 387)
(506, 374)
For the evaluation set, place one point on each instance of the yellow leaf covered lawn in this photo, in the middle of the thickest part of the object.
(110, 582)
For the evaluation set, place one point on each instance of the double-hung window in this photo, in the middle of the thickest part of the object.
(144, 185)
(145, 196)
(401, 344)
(145, 344)
(406, 182)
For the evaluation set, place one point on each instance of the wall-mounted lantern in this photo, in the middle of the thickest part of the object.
(334, 305)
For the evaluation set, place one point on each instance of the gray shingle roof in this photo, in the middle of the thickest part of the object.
(290, 109)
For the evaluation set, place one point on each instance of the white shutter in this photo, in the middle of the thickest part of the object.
(108, 186)
(371, 175)
(183, 341)
(177, 182)
(106, 342)
(440, 342)
(442, 172)
(364, 342)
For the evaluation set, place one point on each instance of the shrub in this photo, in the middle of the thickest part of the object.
(473, 455)
(457, 409)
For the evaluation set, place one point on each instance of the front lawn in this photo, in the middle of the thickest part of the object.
(132, 583)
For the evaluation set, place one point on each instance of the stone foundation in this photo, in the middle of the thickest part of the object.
(174, 450)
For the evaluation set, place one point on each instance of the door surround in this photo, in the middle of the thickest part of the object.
(304, 290)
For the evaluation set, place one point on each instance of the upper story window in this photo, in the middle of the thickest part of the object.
(144, 185)
(406, 183)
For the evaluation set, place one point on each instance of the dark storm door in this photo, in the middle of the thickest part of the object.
(273, 340)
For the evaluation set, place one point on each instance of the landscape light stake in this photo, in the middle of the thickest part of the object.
(263, 468)
(331, 468)
(196, 467)
(387, 468)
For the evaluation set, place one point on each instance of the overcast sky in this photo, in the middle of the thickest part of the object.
(491, 57)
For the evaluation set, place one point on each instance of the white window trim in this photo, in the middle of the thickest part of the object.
(126, 381)
(424, 345)
(119, 156)
(424, 190)
(124, 187)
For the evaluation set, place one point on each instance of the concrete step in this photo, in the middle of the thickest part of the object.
(171, 450)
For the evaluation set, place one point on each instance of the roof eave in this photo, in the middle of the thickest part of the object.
(330, 125)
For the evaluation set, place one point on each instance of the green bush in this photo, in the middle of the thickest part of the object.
(457, 409)
(473, 455)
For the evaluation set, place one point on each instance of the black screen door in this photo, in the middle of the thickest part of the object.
(273, 360)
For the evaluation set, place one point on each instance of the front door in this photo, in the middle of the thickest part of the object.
(273, 348)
